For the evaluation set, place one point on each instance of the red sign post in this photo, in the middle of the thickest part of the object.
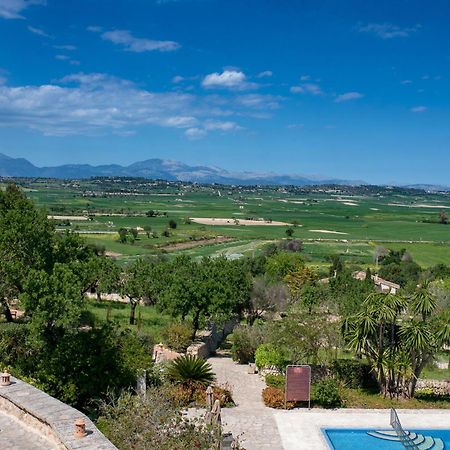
(298, 384)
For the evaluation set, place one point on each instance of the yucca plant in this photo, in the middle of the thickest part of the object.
(190, 370)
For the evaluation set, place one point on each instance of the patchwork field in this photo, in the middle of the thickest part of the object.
(235, 221)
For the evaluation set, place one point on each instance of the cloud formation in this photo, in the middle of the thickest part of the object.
(307, 88)
(228, 79)
(418, 109)
(388, 30)
(96, 103)
(348, 96)
(12, 9)
(134, 44)
(265, 74)
(38, 31)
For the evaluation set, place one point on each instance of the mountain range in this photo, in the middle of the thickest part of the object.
(158, 169)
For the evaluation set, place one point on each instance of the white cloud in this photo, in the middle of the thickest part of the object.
(265, 74)
(388, 30)
(65, 47)
(96, 103)
(133, 44)
(258, 101)
(228, 79)
(307, 88)
(348, 96)
(12, 9)
(406, 82)
(418, 109)
(195, 133)
(222, 126)
(296, 125)
(62, 57)
(305, 77)
(38, 31)
(177, 79)
(95, 29)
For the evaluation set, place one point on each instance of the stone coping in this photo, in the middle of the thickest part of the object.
(50, 417)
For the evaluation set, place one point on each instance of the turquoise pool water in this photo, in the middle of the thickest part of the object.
(359, 439)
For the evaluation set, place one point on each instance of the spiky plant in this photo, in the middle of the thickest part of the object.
(189, 370)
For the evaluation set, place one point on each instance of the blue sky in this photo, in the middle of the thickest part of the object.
(344, 88)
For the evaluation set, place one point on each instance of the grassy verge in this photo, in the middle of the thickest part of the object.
(358, 398)
(148, 318)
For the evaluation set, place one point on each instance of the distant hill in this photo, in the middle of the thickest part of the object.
(430, 187)
(158, 169)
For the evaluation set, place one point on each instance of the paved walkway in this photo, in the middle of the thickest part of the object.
(250, 420)
(14, 435)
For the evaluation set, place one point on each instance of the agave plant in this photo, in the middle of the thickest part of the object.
(189, 369)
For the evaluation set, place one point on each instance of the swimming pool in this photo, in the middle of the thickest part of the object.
(370, 439)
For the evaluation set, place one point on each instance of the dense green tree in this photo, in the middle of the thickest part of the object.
(281, 264)
(205, 290)
(26, 243)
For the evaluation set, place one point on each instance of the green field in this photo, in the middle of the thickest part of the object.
(345, 221)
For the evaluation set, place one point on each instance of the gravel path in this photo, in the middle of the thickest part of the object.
(250, 420)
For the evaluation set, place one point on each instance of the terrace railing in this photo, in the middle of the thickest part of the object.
(404, 437)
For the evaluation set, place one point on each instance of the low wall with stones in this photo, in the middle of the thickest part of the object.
(208, 340)
(438, 387)
(50, 417)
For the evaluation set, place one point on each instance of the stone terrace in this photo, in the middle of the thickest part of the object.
(30, 419)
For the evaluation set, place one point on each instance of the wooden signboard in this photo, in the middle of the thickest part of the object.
(298, 384)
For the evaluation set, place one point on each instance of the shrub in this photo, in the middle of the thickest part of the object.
(277, 381)
(177, 336)
(325, 393)
(189, 369)
(353, 373)
(268, 355)
(172, 224)
(220, 392)
(274, 398)
(245, 340)
(153, 422)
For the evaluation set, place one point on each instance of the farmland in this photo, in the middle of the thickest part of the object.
(348, 221)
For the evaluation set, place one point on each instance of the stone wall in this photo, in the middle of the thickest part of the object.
(438, 387)
(206, 343)
(49, 417)
(208, 340)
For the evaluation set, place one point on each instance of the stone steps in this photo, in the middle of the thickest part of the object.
(422, 442)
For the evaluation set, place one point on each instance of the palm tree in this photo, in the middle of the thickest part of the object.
(398, 336)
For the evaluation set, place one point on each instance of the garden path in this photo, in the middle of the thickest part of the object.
(249, 420)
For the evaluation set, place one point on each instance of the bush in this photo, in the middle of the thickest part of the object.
(177, 336)
(325, 393)
(153, 422)
(353, 373)
(245, 340)
(268, 355)
(274, 398)
(277, 381)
